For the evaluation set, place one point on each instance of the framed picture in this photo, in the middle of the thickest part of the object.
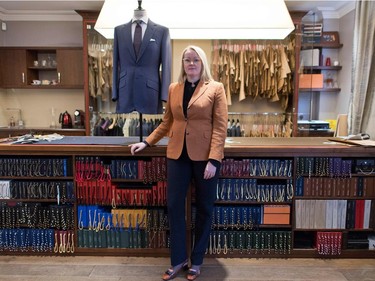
(330, 38)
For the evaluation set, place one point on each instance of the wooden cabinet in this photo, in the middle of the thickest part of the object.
(334, 204)
(13, 71)
(128, 201)
(60, 67)
(70, 67)
(273, 199)
(40, 190)
(252, 214)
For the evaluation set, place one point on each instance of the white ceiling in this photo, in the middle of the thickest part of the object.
(25, 10)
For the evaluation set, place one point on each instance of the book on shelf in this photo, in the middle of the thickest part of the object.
(329, 214)
(367, 213)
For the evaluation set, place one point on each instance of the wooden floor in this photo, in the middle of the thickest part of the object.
(33, 268)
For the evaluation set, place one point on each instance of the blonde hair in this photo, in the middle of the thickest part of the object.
(205, 71)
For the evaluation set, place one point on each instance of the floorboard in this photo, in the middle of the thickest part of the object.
(84, 268)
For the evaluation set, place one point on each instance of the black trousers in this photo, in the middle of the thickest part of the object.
(180, 173)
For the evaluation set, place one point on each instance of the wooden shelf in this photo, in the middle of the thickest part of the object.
(137, 252)
(321, 45)
(307, 67)
(332, 90)
(41, 68)
(58, 86)
(313, 253)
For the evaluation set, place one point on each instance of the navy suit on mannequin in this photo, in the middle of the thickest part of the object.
(138, 84)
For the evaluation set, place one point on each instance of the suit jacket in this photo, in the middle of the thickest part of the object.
(205, 127)
(137, 82)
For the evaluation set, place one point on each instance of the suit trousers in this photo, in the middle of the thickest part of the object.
(181, 173)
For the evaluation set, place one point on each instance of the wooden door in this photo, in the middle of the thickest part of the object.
(70, 67)
(13, 68)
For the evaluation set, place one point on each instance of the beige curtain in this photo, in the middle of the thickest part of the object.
(362, 100)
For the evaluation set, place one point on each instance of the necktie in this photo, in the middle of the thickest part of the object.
(137, 37)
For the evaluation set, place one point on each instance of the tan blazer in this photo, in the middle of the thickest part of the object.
(205, 125)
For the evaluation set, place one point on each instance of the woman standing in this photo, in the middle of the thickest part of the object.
(195, 121)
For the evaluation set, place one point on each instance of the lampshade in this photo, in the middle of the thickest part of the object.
(204, 19)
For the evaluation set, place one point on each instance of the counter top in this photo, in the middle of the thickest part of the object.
(235, 147)
(16, 128)
(17, 131)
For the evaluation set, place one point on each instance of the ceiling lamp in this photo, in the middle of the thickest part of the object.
(204, 19)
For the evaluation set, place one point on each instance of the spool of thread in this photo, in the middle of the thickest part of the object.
(328, 61)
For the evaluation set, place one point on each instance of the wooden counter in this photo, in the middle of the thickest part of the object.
(293, 160)
(241, 147)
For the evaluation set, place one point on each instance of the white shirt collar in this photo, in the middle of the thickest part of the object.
(144, 19)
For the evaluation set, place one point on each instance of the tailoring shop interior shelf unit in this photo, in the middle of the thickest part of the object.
(77, 204)
(108, 203)
(334, 204)
(121, 203)
(252, 213)
(319, 64)
(37, 205)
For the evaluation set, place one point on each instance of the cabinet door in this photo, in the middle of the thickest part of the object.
(70, 67)
(13, 68)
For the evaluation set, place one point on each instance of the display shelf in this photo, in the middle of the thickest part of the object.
(327, 90)
(37, 210)
(264, 240)
(320, 64)
(339, 67)
(321, 45)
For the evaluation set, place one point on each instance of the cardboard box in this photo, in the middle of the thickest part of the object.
(276, 214)
(311, 81)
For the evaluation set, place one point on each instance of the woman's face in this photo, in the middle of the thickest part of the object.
(192, 64)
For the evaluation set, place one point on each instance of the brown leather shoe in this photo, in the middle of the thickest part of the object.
(193, 274)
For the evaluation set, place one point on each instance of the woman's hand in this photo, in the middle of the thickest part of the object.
(210, 171)
(136, 147)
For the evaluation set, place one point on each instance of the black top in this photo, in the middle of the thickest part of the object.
(188, 93)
